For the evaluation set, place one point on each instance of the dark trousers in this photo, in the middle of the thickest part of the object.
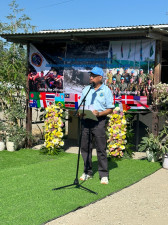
(96, 129)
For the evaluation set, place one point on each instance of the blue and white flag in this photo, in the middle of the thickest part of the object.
(37, 60)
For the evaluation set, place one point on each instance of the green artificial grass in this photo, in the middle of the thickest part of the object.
(27, 179)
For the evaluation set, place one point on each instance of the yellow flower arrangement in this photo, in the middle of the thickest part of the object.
(116, 133)
(53, 129)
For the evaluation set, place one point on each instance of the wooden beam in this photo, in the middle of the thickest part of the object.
(158, 60)
(157, 36)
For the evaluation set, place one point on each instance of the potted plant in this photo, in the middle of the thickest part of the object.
(2, 142)
(164, 143)
(2, 136)
(151, 145)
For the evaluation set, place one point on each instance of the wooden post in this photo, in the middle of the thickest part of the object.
(158, 62)
(28, 109)
(157, 79)
(155, 123)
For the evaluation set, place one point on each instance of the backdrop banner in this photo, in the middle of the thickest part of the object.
(56, 68)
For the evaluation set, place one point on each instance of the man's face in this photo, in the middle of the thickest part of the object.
(131, 80)
(141, 71)
(114, 81)
(122, 81)
(150, 71)
(95, 78)
(149, 81)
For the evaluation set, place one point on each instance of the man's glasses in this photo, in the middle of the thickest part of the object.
(93, 75)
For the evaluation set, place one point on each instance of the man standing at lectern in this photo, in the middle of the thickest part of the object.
(101, 100)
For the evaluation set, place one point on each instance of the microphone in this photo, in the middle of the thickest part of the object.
(92, 85)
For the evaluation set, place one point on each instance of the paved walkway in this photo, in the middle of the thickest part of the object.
(144, 203)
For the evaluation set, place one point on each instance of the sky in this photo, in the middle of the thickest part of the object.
(66, 14)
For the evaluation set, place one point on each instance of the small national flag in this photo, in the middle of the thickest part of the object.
(70, 105)
(32, 103)
(140, 100)
(38, 103)
(121, 107)
(127, 99)
(59, 99)
(50, 102)
(70, 97)
(76, 105)
(126, 107)
(71, 100)
(50, 96)
(117, 99)
(138, 107)
(43, 99)
(43, 104)
(143, 99)
(34, 95)
(60, 104)
(42, 95)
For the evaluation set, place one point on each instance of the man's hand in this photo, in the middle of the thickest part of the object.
(103, 113)
(96, 113)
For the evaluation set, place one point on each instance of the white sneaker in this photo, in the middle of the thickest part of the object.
(104, 180)
(85, 176)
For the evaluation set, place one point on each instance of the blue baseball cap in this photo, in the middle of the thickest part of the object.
(132, 71)
(151, 69)
(97, 71)
(118, 70)
(141, 70)
(122, 78)
(113, 78)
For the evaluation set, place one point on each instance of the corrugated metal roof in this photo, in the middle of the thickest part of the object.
(159, 26)
(99, 29)
(143, 31)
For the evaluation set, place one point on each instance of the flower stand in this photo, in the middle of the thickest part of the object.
(151, 156)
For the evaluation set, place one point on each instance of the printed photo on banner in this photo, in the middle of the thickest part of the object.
(131, 67)
(45, 73)
(80, 59)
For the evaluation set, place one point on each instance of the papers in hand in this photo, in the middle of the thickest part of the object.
(88, 114)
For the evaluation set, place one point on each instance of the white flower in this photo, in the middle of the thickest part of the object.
(117, 109)
(55, 141)
(61, 143)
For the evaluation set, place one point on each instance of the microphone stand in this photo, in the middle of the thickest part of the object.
(76, 181)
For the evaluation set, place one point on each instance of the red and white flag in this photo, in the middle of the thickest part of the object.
(127, 99)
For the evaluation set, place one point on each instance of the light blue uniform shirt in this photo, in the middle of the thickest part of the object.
(101, 99)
